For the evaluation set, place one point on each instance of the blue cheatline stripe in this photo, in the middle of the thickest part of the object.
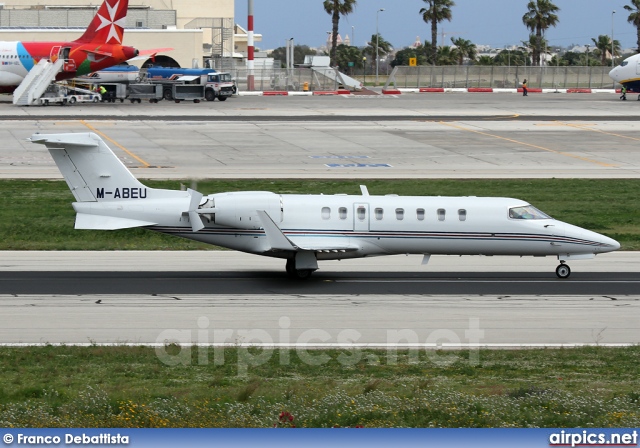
(24, 57)
(460, 236)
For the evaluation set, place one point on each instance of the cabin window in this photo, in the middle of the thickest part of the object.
(362, 213)
(342, 211)
(420, 214)
(399, 214)
(527, 212)
(441, 214)
(462, 214)
(326, 213)
(379, 214)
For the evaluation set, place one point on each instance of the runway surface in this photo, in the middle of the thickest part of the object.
(356, 283)
(233, 298)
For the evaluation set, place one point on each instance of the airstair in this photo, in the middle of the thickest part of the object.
(339, 77)
(36, 82)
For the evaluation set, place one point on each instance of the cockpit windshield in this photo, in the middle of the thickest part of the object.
(624, 63)
(527, 212)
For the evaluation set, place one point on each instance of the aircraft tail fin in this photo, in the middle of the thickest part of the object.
(107, 26)
(91, 169)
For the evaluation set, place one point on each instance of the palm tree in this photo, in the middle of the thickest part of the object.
(465, 48)
(336, 8)
(603, 46)
(384, 47)
(484, 60)
(447, 55)
(529, 47)
(436, 12)
(540, 17)
(634, 18)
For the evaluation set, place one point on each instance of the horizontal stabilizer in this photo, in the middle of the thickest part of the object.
(97, 222)
(64, 140)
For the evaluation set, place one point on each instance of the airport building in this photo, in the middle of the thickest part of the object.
(199, 31)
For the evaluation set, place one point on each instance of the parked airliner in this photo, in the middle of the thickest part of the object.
(303, 229)
(99, 47)
(628, 73)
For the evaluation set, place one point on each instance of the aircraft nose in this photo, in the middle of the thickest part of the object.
(613, 74)
(608, 244)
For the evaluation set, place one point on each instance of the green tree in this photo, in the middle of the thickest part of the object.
(346, 54)
(603, 46)
(437, 11)
(299, 52)
(634, 19)
(402, 56)
(529, 47)
(484, 60)
(465, 49)
(447, 55)
(540, 17)
(510, 57)
(336, 8)
(384, 48)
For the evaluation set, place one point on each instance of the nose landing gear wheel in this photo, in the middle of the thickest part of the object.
(563, 271)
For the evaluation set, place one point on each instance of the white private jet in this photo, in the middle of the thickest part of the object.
(303, 229)
(628, 73)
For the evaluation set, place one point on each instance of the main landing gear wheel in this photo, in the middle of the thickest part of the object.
(563, 271)
(297, 273)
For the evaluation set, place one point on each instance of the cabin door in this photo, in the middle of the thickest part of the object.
(361, 217)
(53, 56)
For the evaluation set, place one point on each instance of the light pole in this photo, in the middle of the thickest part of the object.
(353, 37)
(587, 55)
(612, 46)
(364, 70)
(377, 58)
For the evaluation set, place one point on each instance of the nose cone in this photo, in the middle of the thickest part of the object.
(615, 74)
(608, 244)
(587, 241)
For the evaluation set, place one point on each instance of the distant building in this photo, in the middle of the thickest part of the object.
(197, 30)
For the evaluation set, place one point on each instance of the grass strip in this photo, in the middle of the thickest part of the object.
(120, 386)
(37, 214)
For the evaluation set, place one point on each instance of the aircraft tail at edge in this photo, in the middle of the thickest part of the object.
(107, 26)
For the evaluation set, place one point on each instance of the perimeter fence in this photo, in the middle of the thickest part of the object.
(290, 80)
(477, 76)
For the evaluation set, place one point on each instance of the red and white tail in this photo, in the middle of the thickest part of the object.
(107, 27)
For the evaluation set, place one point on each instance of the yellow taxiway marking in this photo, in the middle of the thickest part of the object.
(566, 154)
(103, 135)
(589, 128)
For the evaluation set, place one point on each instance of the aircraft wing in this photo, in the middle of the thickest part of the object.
(152, 52)
(279, 241)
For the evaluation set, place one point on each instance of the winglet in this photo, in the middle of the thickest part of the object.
(277, 240)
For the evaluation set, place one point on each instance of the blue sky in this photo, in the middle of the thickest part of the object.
(488, 22)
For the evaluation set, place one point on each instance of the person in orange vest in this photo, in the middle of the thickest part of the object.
(525, 91)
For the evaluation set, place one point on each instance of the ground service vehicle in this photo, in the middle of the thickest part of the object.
(217, 84)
